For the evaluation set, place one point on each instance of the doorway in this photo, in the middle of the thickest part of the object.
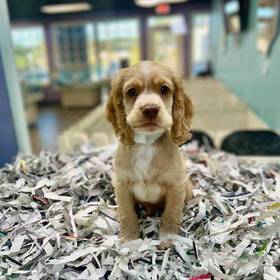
(200, 44)
(166, 36)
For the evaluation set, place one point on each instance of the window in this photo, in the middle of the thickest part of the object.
(236, 13)
(71, 45)
(31, 55)
(267, 24)
(86, 52)
(74, 49)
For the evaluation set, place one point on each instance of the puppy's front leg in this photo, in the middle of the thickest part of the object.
(172, 215)
(127, 215)
(189, 192)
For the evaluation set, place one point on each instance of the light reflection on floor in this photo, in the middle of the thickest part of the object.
(52, 120)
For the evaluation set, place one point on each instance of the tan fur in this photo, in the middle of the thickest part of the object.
(157, 169)
(116, 113)
(183, 113)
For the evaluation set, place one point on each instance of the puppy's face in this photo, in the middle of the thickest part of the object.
(146, 98)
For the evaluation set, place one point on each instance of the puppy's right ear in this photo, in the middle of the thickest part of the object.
(115, 111)
(182, 114)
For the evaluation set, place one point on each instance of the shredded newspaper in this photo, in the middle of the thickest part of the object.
(58, 220)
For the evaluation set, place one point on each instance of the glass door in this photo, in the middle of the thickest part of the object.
(166, 41)
(200, 44)
(118, 45)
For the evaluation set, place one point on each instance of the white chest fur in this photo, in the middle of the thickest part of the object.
(147, 193)
(142, 162)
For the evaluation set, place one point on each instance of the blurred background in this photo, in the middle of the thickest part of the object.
(57, 59)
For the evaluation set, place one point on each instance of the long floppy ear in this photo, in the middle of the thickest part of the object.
(115, 111)
(182, 112)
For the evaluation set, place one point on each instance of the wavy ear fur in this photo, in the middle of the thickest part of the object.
(182, 114)
(115, 111)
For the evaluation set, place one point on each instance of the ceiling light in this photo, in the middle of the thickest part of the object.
(153, 3)
(66, 8)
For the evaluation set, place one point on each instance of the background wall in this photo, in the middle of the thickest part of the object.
(8, 143)
(13, 128)
(252, 76)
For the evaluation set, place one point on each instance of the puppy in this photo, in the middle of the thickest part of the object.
(151, 115)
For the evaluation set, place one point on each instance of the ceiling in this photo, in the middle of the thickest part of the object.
(30, 9)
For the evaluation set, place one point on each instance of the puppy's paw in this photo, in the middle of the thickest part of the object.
(165, 244)
(167, 229)
(166, 240)
(128, 236)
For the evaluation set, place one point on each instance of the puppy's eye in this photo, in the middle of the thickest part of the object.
(164, 89)
(132, 92)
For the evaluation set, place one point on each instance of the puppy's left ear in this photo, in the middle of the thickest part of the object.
(182, 112)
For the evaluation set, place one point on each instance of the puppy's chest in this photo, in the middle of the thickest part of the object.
(143, 162)
(143, 166)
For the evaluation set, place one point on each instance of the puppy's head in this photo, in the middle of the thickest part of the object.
(146, 98)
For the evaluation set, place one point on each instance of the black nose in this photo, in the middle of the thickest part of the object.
(150, 112)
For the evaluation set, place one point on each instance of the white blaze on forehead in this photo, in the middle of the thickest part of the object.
(146, 68)
(160, 76)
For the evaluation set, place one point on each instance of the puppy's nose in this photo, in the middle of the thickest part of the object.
(150, 112)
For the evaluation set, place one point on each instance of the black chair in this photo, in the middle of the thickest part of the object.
(202, 138)
(252, 142)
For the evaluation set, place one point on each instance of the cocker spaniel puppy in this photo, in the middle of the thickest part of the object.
(151, 115)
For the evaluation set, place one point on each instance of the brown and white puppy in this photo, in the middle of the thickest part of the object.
(151, 115)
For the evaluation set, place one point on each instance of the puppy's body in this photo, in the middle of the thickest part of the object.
(148, 165)
(150, 168)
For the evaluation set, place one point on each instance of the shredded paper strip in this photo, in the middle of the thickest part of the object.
(58, 220)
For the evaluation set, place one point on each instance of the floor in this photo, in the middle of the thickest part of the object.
(52, 121)
(218, 112)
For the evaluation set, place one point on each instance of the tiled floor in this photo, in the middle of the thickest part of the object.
(218, 112)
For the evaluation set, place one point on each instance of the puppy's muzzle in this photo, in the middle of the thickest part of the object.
(150, 112)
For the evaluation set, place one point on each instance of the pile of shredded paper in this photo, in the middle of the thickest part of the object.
(58, 220)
